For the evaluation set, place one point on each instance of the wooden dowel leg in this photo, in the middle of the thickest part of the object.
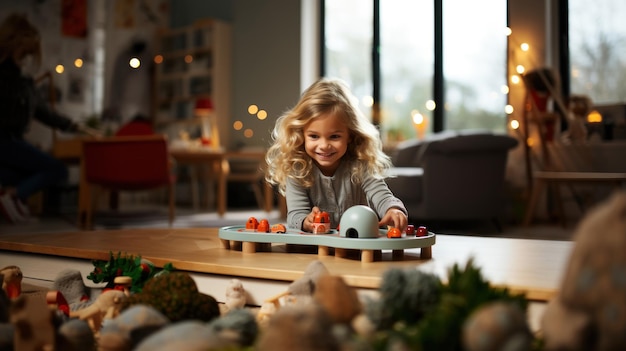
(397, 254)
(225, 244)
(235, 245)
(426, 252)
(249, 247)
(341, 253)
(323, 251)
(367, 256)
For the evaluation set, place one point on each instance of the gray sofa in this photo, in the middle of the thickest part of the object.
(451, 176)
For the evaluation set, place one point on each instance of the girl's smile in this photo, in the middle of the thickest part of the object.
(326, 141)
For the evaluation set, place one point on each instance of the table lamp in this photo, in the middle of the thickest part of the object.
(205, 112)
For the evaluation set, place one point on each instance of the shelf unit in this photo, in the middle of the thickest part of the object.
(192, 62)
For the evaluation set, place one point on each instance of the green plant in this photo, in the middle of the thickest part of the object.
(439, 326)
(138, 269)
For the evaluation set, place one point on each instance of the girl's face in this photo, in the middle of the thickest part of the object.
(326, 141)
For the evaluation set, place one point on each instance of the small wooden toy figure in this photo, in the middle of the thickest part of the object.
(264, 226)
(421, 231)
(321, 223)
(106, 306)
(235, 295)
(279, 228)
(12, 283)
(252, 224)
(57, 301)
(394, 233)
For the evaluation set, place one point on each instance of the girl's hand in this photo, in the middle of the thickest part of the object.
(396, 218)
(307, 225)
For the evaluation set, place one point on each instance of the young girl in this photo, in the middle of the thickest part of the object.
(327, 156)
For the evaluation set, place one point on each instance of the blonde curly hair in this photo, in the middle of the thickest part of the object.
(286, 157)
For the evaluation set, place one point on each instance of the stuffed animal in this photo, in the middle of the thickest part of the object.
(235, 295)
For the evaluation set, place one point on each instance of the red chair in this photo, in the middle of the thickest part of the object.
(137, 126)
(128, 163)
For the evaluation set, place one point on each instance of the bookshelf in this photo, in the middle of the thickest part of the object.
(192, 62)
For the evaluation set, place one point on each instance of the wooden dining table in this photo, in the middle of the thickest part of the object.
(218, 162)
(217, 159)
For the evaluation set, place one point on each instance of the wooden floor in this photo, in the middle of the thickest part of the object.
(534, 267)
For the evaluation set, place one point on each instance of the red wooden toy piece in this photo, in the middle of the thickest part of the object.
(279, 228)
(264, 226)
(394, 233)
(421, 231)
(55, 299)
(410, 229)
(252, 223)
(321, 223)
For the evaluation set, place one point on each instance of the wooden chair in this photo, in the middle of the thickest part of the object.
(128, 163)
(556, 166)
(240, 168)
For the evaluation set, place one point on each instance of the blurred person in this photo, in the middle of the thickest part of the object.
(24, 169)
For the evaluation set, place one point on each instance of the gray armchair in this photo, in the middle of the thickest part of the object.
(452, 176)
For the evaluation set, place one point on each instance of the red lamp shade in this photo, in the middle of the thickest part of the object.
(203, 107)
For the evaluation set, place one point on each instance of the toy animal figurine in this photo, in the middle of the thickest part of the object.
(12, 283)
(235, 295)
(106, 306)
(266, 311)
(303, 286)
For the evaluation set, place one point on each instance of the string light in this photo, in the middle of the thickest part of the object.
(134, 62)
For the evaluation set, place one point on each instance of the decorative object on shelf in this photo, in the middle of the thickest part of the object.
(204, 111)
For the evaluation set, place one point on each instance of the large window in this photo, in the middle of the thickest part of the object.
(597, 43)
(407, 63)
(348, 47)
(474, 61)
(474, 56)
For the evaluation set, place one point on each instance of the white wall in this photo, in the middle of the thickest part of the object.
(266, 54)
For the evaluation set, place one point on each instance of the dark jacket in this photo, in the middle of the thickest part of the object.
(20, 101)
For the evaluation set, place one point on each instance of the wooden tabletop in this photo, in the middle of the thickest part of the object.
(534, 267)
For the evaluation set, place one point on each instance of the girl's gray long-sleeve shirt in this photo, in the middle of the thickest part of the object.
(337, 193)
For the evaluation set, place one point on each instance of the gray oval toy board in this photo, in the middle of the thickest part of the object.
(332, 239)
